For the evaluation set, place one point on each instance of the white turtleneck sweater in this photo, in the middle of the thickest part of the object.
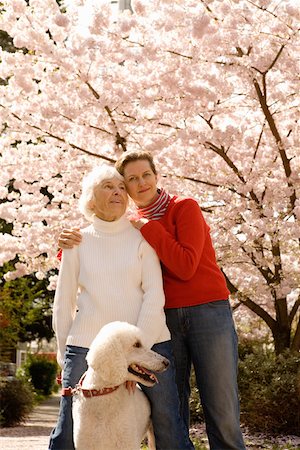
(113, 274)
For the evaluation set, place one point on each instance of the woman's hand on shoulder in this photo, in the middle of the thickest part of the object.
(69, 237)
(139, 223)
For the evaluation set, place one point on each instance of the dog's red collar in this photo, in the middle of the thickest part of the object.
(69, 391)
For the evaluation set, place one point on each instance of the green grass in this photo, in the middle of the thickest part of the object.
(198, 445)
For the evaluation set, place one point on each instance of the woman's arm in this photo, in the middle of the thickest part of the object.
(64, 307)
(151, 318)
(180, 253)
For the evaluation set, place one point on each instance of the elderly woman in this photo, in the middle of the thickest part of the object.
(114, 274)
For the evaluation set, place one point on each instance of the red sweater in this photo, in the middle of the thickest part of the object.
(183, 244)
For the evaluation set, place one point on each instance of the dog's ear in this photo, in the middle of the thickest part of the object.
(106, 357)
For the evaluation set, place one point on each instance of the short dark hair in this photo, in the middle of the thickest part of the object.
(134, 155)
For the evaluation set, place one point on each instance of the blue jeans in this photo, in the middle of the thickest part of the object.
(205, 336)
(75, 365)
(170, 432)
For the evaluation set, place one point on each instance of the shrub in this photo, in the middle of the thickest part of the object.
(16, 401)
(248, 346)
(41, 372)
(269, 390)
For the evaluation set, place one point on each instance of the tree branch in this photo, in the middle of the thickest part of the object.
(265, 272)
(294, 310)
(206, 183)
(221, 152)
(258, 310)
(295, 345)
(264, 8)
(60, 139)
(120, 141)
(93, 91)
(275, 133)
(281, 310)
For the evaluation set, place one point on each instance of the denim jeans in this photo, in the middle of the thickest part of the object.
(75, 365)
(170, 432)
(204, 336)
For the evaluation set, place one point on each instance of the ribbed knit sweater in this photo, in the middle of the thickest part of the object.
(183, 244)
(113, 274)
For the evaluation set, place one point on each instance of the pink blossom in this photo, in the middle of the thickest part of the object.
(40, 275)
(20, 41)
(61, 20)
(180, 79)
(200, 27)
(138, 7)
(18, 6)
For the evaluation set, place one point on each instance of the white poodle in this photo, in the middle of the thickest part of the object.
(106, 416)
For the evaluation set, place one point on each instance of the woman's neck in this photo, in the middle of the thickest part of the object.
(157, 208)
(144, 205)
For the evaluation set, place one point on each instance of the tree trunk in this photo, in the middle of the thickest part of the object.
(295, 346)
(282, 338)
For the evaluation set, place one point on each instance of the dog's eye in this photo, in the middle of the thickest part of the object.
(137, 344)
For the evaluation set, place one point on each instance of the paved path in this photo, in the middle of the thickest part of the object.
(34, 433)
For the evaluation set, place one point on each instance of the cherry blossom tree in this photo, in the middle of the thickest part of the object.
(209, 87)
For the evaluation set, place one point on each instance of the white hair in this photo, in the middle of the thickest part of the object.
(90, 181)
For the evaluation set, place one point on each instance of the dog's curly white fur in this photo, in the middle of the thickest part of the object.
(118, 420)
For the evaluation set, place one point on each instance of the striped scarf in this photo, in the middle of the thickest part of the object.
(157, 209)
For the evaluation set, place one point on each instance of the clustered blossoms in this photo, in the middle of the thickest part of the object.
(210, 87)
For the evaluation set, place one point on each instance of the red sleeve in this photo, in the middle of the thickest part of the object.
(180, 252)
(59, 254)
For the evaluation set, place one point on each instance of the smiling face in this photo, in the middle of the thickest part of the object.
(140, 182)
(109, 200)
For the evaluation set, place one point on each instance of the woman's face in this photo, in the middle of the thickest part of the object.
(110, 199)
(140, 182)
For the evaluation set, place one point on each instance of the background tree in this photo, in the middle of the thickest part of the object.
(25, 311)
(209, 87)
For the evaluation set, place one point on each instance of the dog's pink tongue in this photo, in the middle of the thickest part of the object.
(151, 374)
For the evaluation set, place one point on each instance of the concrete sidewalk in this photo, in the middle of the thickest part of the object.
(34, 433)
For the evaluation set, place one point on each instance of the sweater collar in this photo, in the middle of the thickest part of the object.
(110, 227)
(156, 209)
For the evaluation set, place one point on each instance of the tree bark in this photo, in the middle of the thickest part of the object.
(282, 338)
(295, 346)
